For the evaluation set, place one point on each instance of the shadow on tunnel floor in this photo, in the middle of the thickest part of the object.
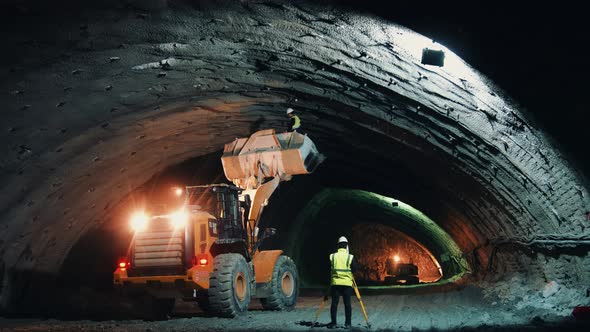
(117, 312)
(540, 326)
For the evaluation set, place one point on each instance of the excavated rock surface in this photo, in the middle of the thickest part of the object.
(96, 104)
(387, 242)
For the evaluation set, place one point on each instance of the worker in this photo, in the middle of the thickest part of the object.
(342, 267)
(294, 121)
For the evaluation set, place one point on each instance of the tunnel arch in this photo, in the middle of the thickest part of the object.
(143, 93)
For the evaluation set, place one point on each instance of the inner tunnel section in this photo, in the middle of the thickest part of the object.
(382, 251)
(380, 228)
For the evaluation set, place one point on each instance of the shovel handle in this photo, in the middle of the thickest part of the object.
(358, 296)
(317, 315)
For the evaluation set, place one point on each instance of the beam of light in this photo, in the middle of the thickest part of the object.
(179, 219)
(139, 221)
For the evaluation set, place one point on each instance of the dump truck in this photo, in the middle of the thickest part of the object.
(209, 250)
(402, 273)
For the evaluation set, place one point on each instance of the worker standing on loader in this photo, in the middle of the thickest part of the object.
(294, 121)
(342, 267)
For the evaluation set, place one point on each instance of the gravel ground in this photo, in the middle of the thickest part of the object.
(464, 309)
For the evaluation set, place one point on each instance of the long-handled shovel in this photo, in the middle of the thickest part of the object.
(324, 300)
(358, 296)
(317, 315)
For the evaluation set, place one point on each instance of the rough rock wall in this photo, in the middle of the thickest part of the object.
(96, 104)
(385, 242)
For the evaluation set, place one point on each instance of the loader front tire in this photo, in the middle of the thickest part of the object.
(284, 286)
(229, 286)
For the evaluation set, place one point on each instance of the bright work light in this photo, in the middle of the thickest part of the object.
(139, 221)
(179, 219)
(178, 191)
(433, 57)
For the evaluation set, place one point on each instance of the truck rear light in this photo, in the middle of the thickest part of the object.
(201, 260)
(123, 263)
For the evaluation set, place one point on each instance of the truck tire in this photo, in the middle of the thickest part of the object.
(284, 286)
(389, 280)
(229, 286)
(412, 280)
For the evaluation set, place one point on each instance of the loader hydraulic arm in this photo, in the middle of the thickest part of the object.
(258, 163)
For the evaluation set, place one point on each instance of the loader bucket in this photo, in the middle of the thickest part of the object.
(266, 154)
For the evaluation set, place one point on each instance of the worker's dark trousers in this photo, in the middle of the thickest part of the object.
(346, 293)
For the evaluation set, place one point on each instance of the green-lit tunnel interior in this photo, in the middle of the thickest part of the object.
(357, 214)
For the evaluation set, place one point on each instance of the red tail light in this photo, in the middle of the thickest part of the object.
(123, 263)
(201, 260)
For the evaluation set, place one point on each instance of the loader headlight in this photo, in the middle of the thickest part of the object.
(178, 191)
(179, 219)
(139, 221)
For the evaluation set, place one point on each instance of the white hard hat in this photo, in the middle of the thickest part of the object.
(342, 239)
(290, 110)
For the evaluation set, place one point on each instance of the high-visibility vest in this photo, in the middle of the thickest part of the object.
(297, 122)
(341, 273)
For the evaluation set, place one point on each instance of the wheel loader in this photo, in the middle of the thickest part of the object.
(209, 250)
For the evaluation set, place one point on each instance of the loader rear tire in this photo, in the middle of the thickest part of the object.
(229, 286)
(284, 286)
(203, 301)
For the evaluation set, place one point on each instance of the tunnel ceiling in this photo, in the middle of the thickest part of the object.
(98, 103)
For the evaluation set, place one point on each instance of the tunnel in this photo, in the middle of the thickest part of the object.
(107, 108)
(356, 213)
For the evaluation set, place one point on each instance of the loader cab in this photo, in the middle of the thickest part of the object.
(222, 202)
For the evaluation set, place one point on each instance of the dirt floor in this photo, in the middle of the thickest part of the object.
(459, 309)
